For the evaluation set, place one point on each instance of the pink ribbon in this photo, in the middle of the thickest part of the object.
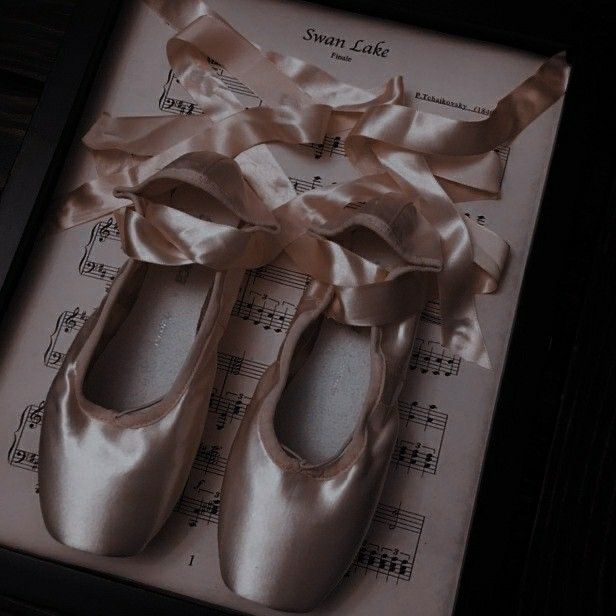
(416, 166)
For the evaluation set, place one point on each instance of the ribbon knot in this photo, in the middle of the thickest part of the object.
(318, 231)
(197, 209)
(415, 167)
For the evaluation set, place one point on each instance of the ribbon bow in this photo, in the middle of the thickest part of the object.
(415, 167)
(161, 220)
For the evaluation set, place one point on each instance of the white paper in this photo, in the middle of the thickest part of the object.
(447, 405)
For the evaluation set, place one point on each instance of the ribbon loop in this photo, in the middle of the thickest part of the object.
(415, 167)
(415, 146)
(167, 236)
(229, 137)
(245, 234)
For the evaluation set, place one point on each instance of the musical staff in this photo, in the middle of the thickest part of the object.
(423, 439)
(431, 358)
(427, 416)
(332, 145)
(210, 460)
(199, 508)
(283, 276)
(503, 152)
(24, 459)
(258, 313)
(415, 456)
(234, 85)
(173, 97)
(389, 563)
(262, 309)
(99, 267)
(179, 106)
(302, 185)
(240, 366)
(431, 313)
(171, 102)
(397, 517)
(228, 407)
(23, 452)
(225, 404)
(67, 325)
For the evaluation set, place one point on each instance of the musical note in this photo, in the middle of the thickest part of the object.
(331, 146)
(479, 219)
(23, 452)
(431, 357)
(228, 407)
(302, 185)
(67, 325)
(257, 312)
(262, 309)
(199, 509)
(427, 416)
(397, 517)
(415, 456)
(384, 562)
(210, 460)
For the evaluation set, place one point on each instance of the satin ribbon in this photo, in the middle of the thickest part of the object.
(437, 161)
(159, 233)
(229, 137)
(401, 141)
(410, 157)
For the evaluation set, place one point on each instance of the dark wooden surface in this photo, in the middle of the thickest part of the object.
(30, 36)
(559, 554)
(31, 33)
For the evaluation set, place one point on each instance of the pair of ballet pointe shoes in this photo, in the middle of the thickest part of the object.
(126, 412)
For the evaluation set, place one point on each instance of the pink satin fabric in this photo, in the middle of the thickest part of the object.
(289, 529)
(377, 248)
(412, 156)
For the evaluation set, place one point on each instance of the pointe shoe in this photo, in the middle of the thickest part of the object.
(294, 514)
(126, 412)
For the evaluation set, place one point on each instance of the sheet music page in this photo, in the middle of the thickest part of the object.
(413, 553)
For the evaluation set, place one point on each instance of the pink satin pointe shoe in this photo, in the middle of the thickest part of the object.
(126, 411)
(309, 461)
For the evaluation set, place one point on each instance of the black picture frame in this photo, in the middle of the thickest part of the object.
(509, 499)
